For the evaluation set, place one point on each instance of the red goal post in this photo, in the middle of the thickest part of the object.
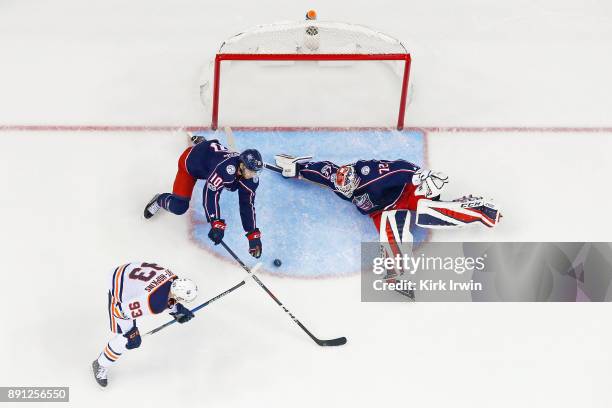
(272, 43)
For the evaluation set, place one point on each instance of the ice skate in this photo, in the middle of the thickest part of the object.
(195, 139)
(392, 277)
(99, 373)
(152, 207)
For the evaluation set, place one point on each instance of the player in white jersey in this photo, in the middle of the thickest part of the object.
(139, 289)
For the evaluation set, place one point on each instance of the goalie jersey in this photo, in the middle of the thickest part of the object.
(139, 289)
(381, 182)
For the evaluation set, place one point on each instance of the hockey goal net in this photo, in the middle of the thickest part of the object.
(309, 73)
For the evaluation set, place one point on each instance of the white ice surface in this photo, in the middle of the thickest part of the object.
(72, 206)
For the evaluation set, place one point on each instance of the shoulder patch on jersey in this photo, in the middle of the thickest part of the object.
(231, 169)
(326, 170)
(363, 201)
(365, 170)
(255, 179)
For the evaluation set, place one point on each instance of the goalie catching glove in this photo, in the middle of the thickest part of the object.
(429, 183)
(289, 164)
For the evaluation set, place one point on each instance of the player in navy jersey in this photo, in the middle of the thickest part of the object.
(221, 169)
(385, 189)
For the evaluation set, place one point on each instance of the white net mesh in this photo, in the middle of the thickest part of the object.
(307, 91)
(318, 37)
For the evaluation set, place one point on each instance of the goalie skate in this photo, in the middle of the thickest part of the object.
(391, 276)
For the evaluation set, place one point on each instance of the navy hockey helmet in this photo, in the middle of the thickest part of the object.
(252, 160)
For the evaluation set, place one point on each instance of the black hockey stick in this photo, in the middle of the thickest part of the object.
(273, 168)
(279, 170)
(231, 141)
(195, 309)
(332, 342)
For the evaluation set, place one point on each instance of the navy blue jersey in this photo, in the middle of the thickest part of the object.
(214, 163)
(381, 182)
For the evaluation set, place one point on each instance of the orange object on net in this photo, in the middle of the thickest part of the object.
(311, 15)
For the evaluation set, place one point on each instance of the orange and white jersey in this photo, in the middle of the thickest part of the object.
(138, 289)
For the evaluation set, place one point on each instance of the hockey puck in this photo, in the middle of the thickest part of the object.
(277, 262)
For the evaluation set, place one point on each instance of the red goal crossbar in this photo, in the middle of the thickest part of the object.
(310, 57)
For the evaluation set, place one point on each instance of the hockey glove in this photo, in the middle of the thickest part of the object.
(429, 183)
(182, 314)
(290, 164)
(217, 229)
(133, 338)
(254, 242)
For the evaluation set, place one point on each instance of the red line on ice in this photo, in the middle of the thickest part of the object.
(428, 129)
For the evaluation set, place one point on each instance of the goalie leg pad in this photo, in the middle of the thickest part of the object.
(395, 239)
(454, 214)
(394, 231)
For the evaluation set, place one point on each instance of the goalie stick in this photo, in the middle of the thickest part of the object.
(231, 141)
(273, 168)
(331, 342)
(279, 170)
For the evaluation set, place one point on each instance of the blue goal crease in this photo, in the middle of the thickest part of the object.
(313, 232)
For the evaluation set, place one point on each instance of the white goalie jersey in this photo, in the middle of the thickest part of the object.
(138, 289)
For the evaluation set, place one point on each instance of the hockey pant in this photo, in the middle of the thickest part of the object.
(178, 201)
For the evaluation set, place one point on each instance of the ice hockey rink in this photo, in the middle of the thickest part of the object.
(514, 99)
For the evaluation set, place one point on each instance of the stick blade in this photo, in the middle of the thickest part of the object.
(332, 342)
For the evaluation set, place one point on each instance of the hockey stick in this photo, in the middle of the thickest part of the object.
(279, 170)
(332, 342)
(273, 168)
(231, 141)
(195, 309)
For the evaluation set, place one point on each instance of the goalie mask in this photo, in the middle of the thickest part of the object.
(183, 290)
(346, 180)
